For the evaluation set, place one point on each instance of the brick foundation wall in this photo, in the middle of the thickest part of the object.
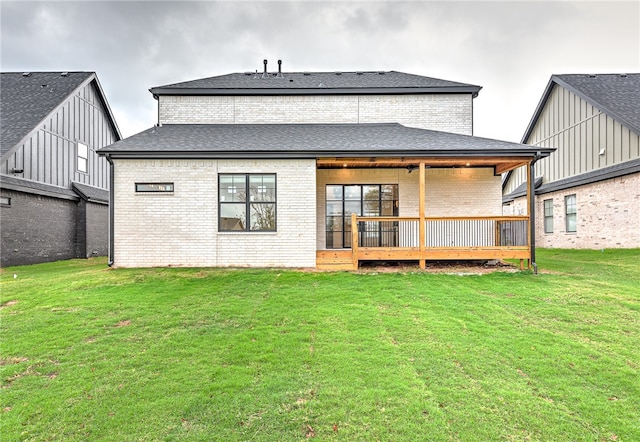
(608, 215)
(97, 229)
(444, 112)
(181, 228)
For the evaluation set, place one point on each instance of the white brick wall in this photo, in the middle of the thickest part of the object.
(608, 215)
(181, 228)
(449, 192)
(445, 112)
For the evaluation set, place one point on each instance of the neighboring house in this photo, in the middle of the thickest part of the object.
(306, 169)
(54, 188)
(588, 191)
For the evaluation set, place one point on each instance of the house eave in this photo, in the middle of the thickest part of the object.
(158, 91)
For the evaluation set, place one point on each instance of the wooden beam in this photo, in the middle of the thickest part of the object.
(354, 241)
(529, 196)
(421, 203)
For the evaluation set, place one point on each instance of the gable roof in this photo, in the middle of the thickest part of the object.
(289, 141)
(26, 99)
(315, 83)
(617, 95)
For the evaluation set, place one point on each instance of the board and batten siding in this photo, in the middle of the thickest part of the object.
(444, 112)
(180, 228)
(586, 139)
(49, 154)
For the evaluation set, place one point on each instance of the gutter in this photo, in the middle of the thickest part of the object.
(111, 208)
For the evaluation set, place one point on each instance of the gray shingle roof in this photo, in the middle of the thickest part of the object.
(307, 141)
(26, 100)
(90, 193)
(315, 83)
(606, 173)
(27, 186)
(617, 95)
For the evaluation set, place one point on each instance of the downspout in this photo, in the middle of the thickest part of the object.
(111, 208)
(532, 211)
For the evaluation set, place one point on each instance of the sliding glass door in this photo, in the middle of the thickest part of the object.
(364, 200)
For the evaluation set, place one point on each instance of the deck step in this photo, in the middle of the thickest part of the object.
(334, 260)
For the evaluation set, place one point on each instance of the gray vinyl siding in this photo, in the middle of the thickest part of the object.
(578, 131)
(49, 154)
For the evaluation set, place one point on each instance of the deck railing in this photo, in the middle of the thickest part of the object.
(398, 238)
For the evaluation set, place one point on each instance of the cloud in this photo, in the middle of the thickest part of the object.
(510, 48)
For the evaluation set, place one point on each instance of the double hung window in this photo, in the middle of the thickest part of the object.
(571, 211)
(548, 216)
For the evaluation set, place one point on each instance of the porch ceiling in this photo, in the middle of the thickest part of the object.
(501, 164)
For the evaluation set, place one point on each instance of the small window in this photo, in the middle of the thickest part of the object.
(5, 201)
(548, 216)
(247, 202)
(83, 158)
(570, 212)
(154, 187)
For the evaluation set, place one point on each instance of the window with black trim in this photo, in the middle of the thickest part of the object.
(247, 202)
(548, 216)
(571, 212)
(364, 200)
(83, 158)
(154, 187)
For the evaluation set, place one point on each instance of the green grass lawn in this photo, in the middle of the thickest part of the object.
(92, 353)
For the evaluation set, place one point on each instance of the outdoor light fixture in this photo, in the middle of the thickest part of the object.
(411, 168)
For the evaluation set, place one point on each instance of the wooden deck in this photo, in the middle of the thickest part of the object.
(431, 239)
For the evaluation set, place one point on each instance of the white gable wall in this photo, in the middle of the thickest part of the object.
(444, 112)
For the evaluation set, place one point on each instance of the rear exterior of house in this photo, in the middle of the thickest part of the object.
(54, 188)
(588, 191)
(309, 169)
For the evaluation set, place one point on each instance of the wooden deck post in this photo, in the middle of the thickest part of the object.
(422, 227)
(354, 240)
(529, 201)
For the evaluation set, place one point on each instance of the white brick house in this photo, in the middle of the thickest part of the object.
(313, 169)
(588, 191)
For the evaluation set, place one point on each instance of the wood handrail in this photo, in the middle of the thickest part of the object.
(443, 218)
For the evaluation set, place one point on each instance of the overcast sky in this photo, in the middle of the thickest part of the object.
(510, 48)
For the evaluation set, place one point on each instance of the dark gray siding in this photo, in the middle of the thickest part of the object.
(49, 155)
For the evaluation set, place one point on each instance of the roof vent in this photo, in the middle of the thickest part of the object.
(381, 73)
(264, 73)
(248, 74)
(338, 73)
(623, 75)
(279, 70)
(592, 75)
(26, 74)
(64, 74)
(359, 73)
(321, 85)
(306, 74)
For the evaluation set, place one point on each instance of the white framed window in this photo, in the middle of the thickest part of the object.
(82, 160)
(571, 212)
(5, 201)
(548, 216)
